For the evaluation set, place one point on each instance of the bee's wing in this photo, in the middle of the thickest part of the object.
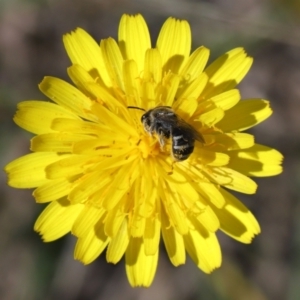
(189, 131)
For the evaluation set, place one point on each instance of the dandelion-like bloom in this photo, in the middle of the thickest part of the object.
(110, 183)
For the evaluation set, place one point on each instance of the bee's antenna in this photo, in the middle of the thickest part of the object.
(135, 107)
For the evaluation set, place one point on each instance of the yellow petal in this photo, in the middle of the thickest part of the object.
(69, 165)
(28, 171)
(245, 114)
(211, 193)
(258, 161)
(110, 188)
(37, 116)
(84, 51)
(173, 209)
(134, 38)
(86, 220)
(208, 219)
(67, 96)
(52, 190)
(140, 268)
(105, 96)
(230, 141)
(226, 72)
(210, 118)
(91, 87)
(195, 64)
(174, 44)
(57, 142)
(204, 249)
(152, 235)
(232, 180)
(177, 217)
(211, 158)
(79, 127)
(168, 89)
(57, 219)
(114, 121)
(113, 151)
(118, 244)
(227, 99)
(120, 185)
(236, 219)
(85, 188)
(186, 193)
(185, 108)
(109, 158)
(173, 241)
(89, 247)
(152, 66)
(150, 191)
(138, 221)
(131, 83)
(113, 61)
(114, 220)
(192, 90)
(81, 78)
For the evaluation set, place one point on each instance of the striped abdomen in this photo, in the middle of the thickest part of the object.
(182, 144)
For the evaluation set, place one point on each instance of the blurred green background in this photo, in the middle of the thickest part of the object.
(31, 47)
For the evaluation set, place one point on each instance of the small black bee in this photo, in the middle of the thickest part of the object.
(162, 121)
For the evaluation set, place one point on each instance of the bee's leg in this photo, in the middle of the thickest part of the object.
(161, 142)
(161, 138)
(172, 168)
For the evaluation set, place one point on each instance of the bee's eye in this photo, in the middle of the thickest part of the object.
(145, 120)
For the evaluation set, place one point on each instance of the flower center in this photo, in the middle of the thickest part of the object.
(148, 146)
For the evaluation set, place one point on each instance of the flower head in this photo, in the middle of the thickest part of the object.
(117, 187)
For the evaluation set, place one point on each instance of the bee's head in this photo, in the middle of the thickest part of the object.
(152, 116)
(146, 120)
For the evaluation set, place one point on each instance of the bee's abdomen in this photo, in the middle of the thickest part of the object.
(182, 148)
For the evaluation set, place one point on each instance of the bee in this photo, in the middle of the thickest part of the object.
(165, 123)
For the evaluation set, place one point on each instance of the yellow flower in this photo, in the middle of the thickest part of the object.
(110, 183)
